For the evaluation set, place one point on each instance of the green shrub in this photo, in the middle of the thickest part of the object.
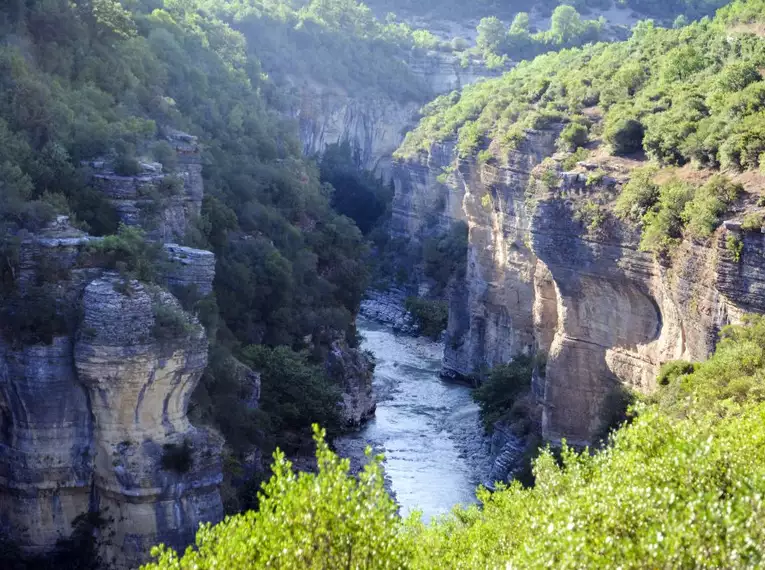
(753, 222)
(615, 411)
(579, 155)
(663, 225)
(735, 246)
(595, 177)
(638, 195)
(573, 136)
(430, 316)
(170, 322)
(624, 136)
(330, 519)
(702, 214)
(590, 215)
(126, 165)
(170, 186)
(673, 370)
(501, 387)
(129, 252)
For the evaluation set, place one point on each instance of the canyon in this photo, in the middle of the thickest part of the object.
(375, 125)
(601, 313)
(95, 430)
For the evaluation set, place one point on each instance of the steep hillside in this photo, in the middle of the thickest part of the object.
(346, 76)
(609, 265)
(150, 128)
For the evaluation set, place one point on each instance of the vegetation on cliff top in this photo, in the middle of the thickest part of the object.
(695, 91)
(99, 78)
(506, 9)
(681, 486)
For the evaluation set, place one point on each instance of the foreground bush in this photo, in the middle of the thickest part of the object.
(681, 487)
(322, 521)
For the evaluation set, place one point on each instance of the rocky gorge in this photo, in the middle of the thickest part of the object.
(375, 124)
(540, 281)
(95, 435)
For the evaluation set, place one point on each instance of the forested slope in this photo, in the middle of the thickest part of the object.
(682, 484)
(93, 80)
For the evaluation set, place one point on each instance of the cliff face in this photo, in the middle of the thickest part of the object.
(96, 375)
(375, 125)
(538, 281)
(89, 415)
(162, 204)
(139, 382)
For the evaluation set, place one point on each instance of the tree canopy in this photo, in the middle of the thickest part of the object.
(681, 486)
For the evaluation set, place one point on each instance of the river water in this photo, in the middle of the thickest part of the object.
(429, 430)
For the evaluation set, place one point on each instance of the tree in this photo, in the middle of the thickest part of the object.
(519, 35)
(491, 35)
(624, 135)
(565, 25)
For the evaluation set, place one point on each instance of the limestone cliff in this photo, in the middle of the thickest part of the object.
(539, 281)
(92, 404)
(162, 203)
(375, 125)
(139, 381)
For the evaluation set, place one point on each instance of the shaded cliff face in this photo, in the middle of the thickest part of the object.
(139, 382)
(538, 280)
(161, 203)
(374, 125)
(86, 415)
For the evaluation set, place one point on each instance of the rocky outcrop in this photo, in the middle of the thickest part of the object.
(162, 203)
(387, 307)
(446, 72)
(155, 476)
(95, 378)
(539, 280)
(188, 268)
(375, 124)
(352, 369)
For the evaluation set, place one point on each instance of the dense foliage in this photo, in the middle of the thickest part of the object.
(295, 391)
(567, 29)
(80, 81)
(680, 487)
(507, 9)
(338, 521)
(430, 315)
(337, 42)
(689, 95)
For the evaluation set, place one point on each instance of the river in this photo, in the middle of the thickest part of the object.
(429, 430)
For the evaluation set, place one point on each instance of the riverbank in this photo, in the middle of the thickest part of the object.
(436, 451)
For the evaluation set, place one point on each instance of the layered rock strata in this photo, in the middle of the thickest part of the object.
(538, 280)
(139, 382)
(375, 125)
(93, 398)
(162, 203)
